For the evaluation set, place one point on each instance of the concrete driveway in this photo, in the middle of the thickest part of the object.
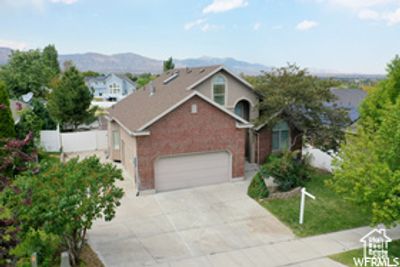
(192, 227)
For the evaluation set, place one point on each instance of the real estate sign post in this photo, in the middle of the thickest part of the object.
(304, 193)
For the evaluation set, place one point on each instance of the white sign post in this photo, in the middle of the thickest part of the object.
(304, 193)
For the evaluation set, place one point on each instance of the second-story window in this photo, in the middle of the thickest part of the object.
(114, 88)
(219, 88)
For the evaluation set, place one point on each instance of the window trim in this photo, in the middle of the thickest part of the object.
(116, 146)
(225, 91)
(279, 131)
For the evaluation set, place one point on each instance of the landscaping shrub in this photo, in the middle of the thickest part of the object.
(288, 170)
(257, 188)
(45, 245)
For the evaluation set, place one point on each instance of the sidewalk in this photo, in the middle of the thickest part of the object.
(310, 251)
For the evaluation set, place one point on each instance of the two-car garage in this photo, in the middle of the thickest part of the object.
(190, 170)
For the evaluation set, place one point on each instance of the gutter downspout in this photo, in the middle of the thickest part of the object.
(258, 147)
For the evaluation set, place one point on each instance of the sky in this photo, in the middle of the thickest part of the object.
(350, 36)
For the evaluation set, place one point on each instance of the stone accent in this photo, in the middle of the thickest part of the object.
(284, 195)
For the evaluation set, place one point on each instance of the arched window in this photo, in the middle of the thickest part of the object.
(280, 136)
(219, 89)
(242, 109)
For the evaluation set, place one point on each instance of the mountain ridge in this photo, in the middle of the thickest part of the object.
(136, 63)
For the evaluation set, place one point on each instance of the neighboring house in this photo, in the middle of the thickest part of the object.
(112, 87)
(351, 100)
(189, 127)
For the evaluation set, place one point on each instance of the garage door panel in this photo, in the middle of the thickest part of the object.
(191, 170)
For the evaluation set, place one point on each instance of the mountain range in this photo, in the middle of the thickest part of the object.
(134, 63)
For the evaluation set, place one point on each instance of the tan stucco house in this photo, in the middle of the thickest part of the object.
(190, 127)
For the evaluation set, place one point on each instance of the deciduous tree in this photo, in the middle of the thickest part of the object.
(292, 94)
(65, 199)
(368, 171)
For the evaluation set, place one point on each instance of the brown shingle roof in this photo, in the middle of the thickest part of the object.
(140, 107)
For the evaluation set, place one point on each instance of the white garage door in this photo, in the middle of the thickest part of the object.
(192, 170)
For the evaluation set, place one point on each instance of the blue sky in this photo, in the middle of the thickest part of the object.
(340, 35)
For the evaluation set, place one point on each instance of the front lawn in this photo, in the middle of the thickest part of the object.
(328, 213)
(346, 258)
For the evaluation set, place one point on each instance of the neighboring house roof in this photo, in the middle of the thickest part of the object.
(103, 78)
(350, 99)
(16, 107)
(124, 77)
(142, 108)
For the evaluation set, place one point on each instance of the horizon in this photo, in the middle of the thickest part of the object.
(349, 37)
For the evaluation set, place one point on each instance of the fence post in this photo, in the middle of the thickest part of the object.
(65, 259)
(34, 260)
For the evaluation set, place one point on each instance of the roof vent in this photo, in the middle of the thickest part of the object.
(188, 70)
(202, 70)
(152, 89)
(170, 78)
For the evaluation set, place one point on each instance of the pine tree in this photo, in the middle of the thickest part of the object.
(69, 103)
(7, 128)
(50, 59)
(168, 64)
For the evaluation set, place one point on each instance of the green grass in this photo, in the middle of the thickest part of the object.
(328, 213)
(346, 258)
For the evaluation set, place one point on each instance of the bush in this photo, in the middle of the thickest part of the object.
(257, 188)
(45, 245)
(288, 170)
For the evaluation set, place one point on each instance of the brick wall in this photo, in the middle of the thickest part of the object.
(264, 146)
(184, 132)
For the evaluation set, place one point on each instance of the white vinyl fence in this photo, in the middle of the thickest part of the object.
(53, 141)
(319, 159)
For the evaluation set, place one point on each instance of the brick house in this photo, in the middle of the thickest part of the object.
(190, 127)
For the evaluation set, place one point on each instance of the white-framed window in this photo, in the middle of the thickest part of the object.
(114, 88)
(219, 89)
(280, 136)
(115, 139)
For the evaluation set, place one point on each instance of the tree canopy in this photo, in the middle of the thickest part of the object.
(69, 103)
(30, 71)
(7, 128)
(368, 171)
(168, 64)
(50, 59)
(66, 200)
(303, 101)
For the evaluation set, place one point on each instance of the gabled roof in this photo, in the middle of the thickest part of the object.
(350, 99)
(102, 78)
(142, 108)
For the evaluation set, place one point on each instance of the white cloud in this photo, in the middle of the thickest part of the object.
(13, 44)
(210, 27)
(218, 6)
(192, 24)
(390, 18)
(368, 14)
(358, 4)
(38, 5)
(306, 25)
(67, 2)
(256, 26)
